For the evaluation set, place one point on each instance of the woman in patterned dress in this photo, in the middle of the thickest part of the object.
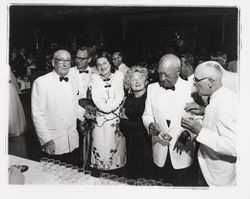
(108, 152)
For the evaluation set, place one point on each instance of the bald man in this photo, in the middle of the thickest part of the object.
(217, 135)
(54, 110)
(162, 118)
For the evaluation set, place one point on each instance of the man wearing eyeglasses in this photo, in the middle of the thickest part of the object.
(217, 135)
(173, 159)
(82, 72)
(54, 110)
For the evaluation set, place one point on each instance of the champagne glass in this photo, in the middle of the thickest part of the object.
(87, 175)
(44, 161)
(68, 173)
(113, 179)
(104, 178)
(122, 180)
(74, 174)
(150, 182)
(159, 183)
(80, 175)
(141, 182)
(131, 182)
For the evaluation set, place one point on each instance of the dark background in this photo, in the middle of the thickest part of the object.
(136, 31)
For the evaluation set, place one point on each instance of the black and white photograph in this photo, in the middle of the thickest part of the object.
(130, 96)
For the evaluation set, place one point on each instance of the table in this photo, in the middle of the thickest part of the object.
(35, 175)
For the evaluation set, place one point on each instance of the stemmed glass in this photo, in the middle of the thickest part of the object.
(141, 182)
(68, 173)
(131, 182)
(113, 179)
(44, 161)
(104, 178)
(80, 175)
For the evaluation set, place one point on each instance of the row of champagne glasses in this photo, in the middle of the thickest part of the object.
(67, 173)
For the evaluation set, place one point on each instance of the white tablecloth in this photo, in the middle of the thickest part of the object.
(35, 175)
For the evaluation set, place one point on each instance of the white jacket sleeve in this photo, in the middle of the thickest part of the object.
(224, 139)
(38, 107)
(147, 116)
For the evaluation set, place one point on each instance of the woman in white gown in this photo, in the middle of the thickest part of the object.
(17, 122)
(108, 151)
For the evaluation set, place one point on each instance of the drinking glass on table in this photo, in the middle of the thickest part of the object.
(60, 171)
(104, 177)
(159, 183)
(75, 170)
(44, 161)
(54, 167)
(113, 179)
(87, 175)
(141, 182)
(131, 182)
(150, 182)
(68, 173)
(49, 164)
(122, 180)
(80, 175)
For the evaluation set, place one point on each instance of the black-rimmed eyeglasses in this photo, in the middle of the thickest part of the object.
(60, 61)
(196, 80)
(81, 58)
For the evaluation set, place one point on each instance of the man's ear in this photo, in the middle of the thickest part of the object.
(53, 62)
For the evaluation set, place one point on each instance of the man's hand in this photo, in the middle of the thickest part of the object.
(154, 129)
(191, 124)
(90, 112)
(49, 147)
(182, 141)
(194, 108)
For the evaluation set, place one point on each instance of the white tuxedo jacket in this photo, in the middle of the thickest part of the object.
(162, 105)
(54, 111)
(217, 152)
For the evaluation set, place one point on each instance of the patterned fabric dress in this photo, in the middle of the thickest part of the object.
(108, 143)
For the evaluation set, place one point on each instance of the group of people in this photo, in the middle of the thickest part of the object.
(108, 118)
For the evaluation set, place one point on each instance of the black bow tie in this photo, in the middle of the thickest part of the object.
(105, 80)
(83, 71)
(106, 86)
(183, 77)
(66, 79)
(172, 88)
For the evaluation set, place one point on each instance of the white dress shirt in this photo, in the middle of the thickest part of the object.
(123, 68)
(217, 153)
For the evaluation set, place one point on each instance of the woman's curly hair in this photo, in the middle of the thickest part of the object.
(131, 71)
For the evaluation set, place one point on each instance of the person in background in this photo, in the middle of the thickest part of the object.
(117, 58)
(54, 105)
(173, 154)
(17, 121)
(217, 134)
(108, 152)
(139, 149)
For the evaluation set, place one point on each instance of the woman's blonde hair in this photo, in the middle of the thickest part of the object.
(131, 71)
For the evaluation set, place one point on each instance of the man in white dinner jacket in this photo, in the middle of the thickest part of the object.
(55, 108)
(218, 133)
(117, 58)
(162, 118)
